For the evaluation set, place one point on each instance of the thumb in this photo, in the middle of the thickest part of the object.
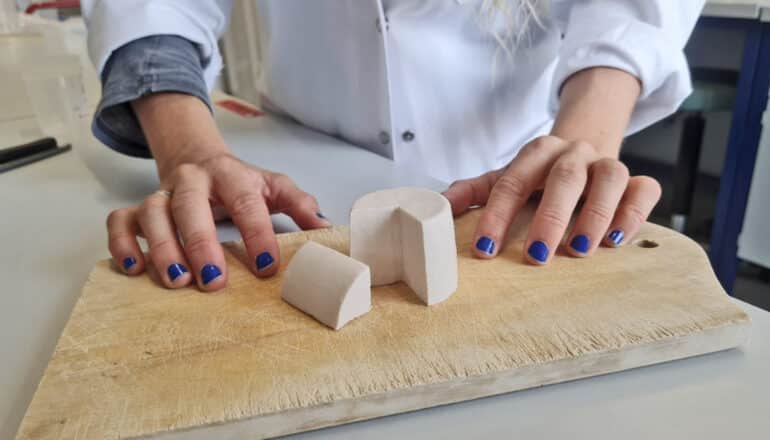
(467, 193)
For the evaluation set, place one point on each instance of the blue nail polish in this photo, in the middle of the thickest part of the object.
(616, 237)
(538, 250)
(580, 243)
(209, 273)
(321, 216)
(128, 262)
(175, 271)
(264, 260)
(486, 245)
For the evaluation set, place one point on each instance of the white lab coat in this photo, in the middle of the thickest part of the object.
(416, 80)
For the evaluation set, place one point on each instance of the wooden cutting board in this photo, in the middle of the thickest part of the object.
(138, 360)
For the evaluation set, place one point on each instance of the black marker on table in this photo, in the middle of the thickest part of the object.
(21, 155)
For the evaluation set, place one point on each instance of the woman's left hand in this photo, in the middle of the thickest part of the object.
(615, 204)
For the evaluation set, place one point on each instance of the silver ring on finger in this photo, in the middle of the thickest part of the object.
(164, 193)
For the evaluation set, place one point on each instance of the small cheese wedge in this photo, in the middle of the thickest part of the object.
(407, 234)
(327, 285)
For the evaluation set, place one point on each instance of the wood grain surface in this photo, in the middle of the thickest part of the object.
(138, 360)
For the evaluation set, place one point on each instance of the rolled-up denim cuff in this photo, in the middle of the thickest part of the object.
(159, 63)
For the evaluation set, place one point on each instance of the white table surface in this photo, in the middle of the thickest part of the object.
(53, 232)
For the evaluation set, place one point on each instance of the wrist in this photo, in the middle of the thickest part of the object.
(596, 106)
(179, 129)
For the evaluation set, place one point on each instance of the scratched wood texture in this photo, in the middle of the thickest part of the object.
(136, 360)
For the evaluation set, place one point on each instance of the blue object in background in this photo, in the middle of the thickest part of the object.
(745, 129)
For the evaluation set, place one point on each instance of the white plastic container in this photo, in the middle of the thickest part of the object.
(754, 241)
(46, 86)
(9, 17)
(55, 90)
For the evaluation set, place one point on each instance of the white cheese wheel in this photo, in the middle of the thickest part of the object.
(407, 234)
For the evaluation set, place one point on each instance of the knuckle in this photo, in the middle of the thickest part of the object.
(187, 172)
(163, 246)
(635, 214)
(568, 172)
(246, 204)
(544, 141)
(143, 210)
(490, 178)
(222, 164)
(308, 200)
(151, 205)
(116, 238)
(598, 213)
(537, 145)
(511, 186)
(282, 180)
(197, 242)
(466, 184)
(611, 170)
(553, 218)
(182, 198)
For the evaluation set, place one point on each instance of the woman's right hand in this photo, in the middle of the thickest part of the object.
(198, 176)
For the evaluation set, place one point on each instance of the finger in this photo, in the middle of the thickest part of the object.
(191, 212)
(511, 192)
(464, 194)
(563, 189)
(242, 196)
(287, 197)
(166, 253)
(641, 196)
(122, 230)
(608, 181)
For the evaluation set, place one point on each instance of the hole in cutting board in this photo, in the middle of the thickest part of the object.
(647, 244)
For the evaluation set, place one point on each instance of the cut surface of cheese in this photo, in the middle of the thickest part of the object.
(407, 234)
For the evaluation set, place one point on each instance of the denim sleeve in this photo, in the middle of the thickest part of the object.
(158, 63)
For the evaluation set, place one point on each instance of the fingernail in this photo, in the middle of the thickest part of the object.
(616, 237)
(175, 271)
(209, 273)
(486, 245)
(128, 263)
(321, 216)
(264, 260)
(538, 250)
(580, 243)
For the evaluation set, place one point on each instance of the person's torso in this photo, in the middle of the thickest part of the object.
(422, 82)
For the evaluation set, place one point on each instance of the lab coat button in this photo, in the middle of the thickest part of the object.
(407, 136)
(384, 137)
(379, 24)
